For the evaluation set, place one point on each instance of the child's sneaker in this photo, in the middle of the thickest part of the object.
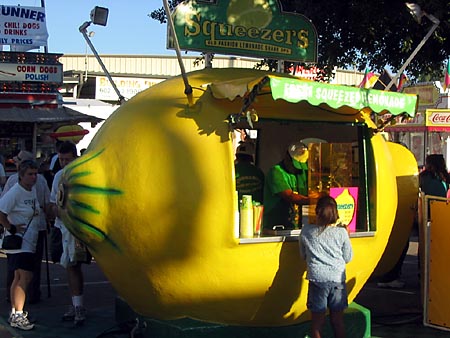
(69, 315)
(80, 315)
(20, 321)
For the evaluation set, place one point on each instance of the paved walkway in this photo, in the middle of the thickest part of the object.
(394, 313)
(99, 300)
(397, 313)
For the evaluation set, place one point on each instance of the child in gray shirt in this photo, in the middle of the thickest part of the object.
(327, 249)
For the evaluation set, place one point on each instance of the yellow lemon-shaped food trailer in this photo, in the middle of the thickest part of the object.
(153, 196)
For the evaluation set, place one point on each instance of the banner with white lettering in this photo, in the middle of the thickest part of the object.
(23, 28)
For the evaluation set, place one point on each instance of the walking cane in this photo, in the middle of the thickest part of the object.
(49, 293)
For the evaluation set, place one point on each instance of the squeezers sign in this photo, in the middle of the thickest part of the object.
(247, 28)
(23, 28)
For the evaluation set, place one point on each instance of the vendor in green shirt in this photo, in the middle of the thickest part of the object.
(286, 189)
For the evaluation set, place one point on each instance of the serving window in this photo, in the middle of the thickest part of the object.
(339, 163)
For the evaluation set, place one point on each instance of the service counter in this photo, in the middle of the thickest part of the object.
(293, 237)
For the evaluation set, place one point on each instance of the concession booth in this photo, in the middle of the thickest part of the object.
(172, 219)
(31, 110)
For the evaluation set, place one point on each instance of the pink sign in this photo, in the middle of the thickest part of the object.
(347, 204)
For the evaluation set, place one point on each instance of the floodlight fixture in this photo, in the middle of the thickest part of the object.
(99, 15)
(415, 11)
(418, 13)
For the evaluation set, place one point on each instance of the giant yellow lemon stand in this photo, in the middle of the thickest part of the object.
(153, 198)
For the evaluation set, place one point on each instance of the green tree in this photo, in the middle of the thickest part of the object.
(360, 33)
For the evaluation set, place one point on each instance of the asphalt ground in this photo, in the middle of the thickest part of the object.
(99, 300)
(395, 313)
(398, 313)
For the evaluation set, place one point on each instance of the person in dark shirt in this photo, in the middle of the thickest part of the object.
(249, 178)
(435, 179)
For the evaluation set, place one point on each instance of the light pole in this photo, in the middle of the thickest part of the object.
(99, 16)
(187, 86)
(90, 34)
(415, 11)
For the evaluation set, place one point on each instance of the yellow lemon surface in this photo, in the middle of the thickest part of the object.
(407, 181)
(153, 197)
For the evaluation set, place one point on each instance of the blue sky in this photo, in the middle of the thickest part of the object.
(129, 29)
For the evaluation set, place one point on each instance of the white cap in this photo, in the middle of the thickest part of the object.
(23, 155)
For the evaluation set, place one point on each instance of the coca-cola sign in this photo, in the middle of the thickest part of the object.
(438, 117)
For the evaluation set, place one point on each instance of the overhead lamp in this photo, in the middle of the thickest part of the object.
(415, 11)
(418, 13)
(99, 15)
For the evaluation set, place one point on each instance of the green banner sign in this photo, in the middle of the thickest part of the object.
(335, 96)
(244, 27)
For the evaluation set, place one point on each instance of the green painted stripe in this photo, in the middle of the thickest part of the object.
(71, 166)
(90, 228)
(87, 189)
(77, 204)
(76, 175)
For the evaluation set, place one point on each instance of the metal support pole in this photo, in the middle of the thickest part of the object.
(49, 291)
(413, 54)
(86, 64)
(43, 6)
(83, 30)
(208, 60)
(280, 66)
(187, 86)
(35, 132)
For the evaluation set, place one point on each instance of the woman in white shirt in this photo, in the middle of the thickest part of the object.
(19, 211)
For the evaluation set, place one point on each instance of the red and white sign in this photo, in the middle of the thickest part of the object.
(31, 72)
(304, 73)
(438, 117)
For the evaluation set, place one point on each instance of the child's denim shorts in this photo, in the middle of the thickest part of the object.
(325, 295)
